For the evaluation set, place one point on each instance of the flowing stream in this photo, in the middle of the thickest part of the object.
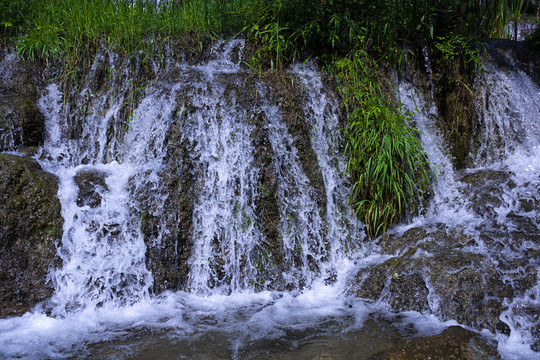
(240, 299)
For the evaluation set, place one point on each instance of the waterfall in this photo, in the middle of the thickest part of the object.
(321, 110)
(509, 105)
(103, 251)
(206, 213)
(495, 200)
(449, 202)
(225, 233)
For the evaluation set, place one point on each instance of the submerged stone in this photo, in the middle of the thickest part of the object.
(453, 343)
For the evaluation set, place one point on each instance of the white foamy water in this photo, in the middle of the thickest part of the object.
(102, 248)
(449, 204)
(225, 230)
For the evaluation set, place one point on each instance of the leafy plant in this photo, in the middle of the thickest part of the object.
(453, 49)
(273, 44)
(387, 164)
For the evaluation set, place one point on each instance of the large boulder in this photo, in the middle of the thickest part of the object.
(30, 225)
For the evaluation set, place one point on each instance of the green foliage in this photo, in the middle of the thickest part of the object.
(48, 28)
(451, 50)
(386, 161)
(273, 44)
(284, 29)
(290, 29)
(515, 9)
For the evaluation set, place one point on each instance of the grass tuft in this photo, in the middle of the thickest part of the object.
(387, 163)
(53, 28)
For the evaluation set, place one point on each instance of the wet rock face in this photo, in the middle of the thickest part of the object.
(453, 343)
(441, 274)
(91, 184)
(168, 260)
(21, 123)
(489, 188)
(30, 224)
(168, 256)
(523, 56)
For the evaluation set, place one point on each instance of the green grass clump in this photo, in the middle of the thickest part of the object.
(387, 163)
(51, 28)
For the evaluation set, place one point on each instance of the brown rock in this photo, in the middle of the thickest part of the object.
(453, 343)
(30, 224)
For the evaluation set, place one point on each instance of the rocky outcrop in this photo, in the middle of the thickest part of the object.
(21, 123)
(511, 54)
(453, 343)
(30, 224)
(91, 184)
(441, 273)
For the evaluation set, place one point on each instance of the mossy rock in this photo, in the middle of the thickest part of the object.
(30, 225)
(434, 271)
(21, 123)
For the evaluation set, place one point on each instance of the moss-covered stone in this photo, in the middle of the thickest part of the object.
(30, 225)
(437, 273)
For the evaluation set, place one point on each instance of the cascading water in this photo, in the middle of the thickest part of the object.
(102, 249)
(448, 201)
(495, 201)
(274, 261)
(510, 121)
(321, 111)
(109, 169)
(224, 233)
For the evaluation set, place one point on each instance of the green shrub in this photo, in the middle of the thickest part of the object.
(388, 166)
(12, 16)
